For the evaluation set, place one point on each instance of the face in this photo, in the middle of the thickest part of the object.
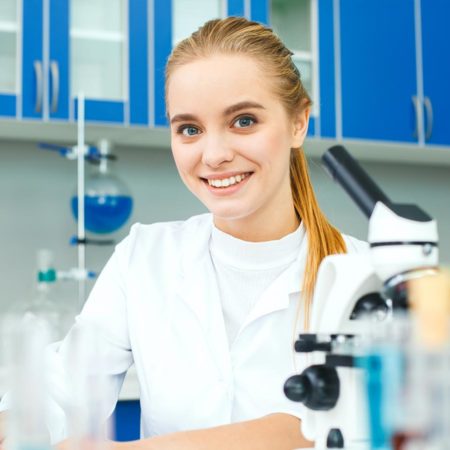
(231, 138)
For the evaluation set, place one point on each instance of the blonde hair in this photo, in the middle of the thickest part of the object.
(237, 35)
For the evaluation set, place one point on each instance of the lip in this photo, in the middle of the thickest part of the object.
(229, 190)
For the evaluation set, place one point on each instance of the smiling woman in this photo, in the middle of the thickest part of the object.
(206, 308)
(231, 71)
(225, 122)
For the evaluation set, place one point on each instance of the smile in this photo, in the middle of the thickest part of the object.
(225, 182)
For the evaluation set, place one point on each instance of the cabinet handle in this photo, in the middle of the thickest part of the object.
(39, 87)
(416, 105)
(54, 72)
(429, 111)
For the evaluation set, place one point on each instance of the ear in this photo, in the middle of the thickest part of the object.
(300, 127)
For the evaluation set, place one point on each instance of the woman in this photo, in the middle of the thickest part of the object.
(207, 308)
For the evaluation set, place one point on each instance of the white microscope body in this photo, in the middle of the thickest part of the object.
(403, 245)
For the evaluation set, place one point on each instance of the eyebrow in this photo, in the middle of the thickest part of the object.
(230, 110)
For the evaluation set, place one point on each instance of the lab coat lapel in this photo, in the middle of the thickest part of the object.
(277, 296)
(198, 289)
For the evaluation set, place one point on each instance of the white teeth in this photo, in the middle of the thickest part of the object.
(227, 181)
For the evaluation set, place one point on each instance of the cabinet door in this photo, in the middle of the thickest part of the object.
(436, 70)
(127, 417)
(296, 24)
(327, 128)
(58, 65)
(161, 38)
(378, 67)
(99, 58)
(9, 57)
(138, 50)
(33, 64)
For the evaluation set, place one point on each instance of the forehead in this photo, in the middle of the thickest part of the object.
(218, 81)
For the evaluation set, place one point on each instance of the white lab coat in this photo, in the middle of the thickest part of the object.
(156, 303)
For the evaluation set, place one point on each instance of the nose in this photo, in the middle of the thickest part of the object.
(216, 151)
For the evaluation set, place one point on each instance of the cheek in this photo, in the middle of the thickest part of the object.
(270, 149)
(186, 160)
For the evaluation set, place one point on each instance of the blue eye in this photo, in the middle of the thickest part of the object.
(244, 122)
(188, 130)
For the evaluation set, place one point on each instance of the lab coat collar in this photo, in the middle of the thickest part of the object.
(199, 289)
(285, 288)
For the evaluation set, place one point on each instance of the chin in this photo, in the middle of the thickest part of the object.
(230, 214)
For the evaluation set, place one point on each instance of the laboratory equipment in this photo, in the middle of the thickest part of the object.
(69, 390)
(108, 203)
(353, 294)
(102, 203)
(88, 388)
(26, 342)
(28, 328)
(46, 387)
(44, 306)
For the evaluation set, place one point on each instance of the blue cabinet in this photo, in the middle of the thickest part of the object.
(327, 66)
(32, 60)
(116, 59)
(378, 70)
(394, 70)
(435, 17)
(64, 51)
(127, 418)
(108, 59)
(58, 63)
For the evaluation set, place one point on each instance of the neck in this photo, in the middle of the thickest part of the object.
(260, 229)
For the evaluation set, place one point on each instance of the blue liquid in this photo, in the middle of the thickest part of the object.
(104, 214)
(385, 377)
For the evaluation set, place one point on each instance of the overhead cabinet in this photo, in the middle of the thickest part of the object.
(376, 70)
(394, 60)
(112, 51)
(59, 49)
(435, 21)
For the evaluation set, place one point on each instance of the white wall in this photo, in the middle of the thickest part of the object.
(36, 186)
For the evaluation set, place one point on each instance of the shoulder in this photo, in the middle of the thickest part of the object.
(355, 245)
(164, 237)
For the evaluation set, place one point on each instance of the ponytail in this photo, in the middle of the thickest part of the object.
(323, 238)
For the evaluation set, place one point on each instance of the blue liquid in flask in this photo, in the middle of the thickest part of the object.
(104, 213)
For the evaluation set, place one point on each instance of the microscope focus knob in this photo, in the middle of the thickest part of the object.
(317, 387)
(296, 388)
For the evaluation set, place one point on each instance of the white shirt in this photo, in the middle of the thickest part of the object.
(156, 304)
(244, 270)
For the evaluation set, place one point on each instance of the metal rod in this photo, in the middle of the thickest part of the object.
(80, 188)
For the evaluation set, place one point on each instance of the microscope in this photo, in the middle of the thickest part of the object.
(353, 294)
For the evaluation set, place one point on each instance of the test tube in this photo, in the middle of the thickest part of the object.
(88, 416)
(26, 341)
